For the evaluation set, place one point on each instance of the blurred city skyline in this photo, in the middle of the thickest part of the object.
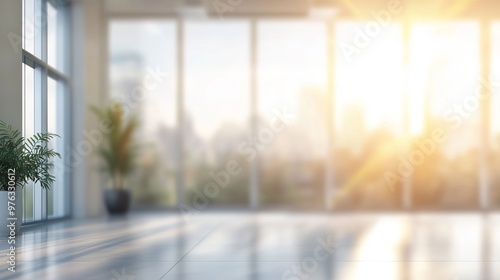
(368, 108)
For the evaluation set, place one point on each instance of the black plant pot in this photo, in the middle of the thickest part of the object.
(117, 201)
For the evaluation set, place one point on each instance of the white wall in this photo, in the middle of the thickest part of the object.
(11, 100)
(88, 62)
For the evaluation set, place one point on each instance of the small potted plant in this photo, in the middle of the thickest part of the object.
(117, 152)
(22, 160)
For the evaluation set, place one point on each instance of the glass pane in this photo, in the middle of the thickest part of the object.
(28, 130)
(368, 117)
(216, 111)
(56, 118)
(142, 74)
(57, 39)
(444, 75)
(29, 26)
(291, 134)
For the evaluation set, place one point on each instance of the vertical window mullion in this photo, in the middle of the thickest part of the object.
(44, 32)
(330, 70)
(254, 95)
(43, 197)
(39, 127)
(66, 156)
(181, 196)
(59, 203)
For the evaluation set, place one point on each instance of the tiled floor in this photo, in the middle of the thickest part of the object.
(262, 246)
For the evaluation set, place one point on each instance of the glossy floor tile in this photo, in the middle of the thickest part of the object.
(259, 246)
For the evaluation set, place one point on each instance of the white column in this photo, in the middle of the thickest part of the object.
(407, 183)
(254, 165)
(329, 172)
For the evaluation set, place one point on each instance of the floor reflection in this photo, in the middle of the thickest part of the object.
(263, 246)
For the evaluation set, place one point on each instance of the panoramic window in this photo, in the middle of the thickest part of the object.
(444, 76)
(291, 128)
(380, 116)
(216, 107)
(142, 75)
(46, 100)
(368, 117)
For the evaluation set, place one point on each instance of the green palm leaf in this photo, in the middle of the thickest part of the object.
(30, 157)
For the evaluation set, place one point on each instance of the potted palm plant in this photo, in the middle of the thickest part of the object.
(117, 152)
(22, 160)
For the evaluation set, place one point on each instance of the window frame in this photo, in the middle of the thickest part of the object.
(38, 60)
